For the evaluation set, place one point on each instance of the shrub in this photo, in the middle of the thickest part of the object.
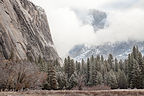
(20, 75)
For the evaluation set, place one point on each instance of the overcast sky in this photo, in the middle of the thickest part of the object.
(125, 18)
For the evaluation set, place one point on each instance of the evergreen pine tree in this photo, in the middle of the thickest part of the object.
(66, 66)
(111, 61)
(99, 78)
(69, 67)
(107, 65)
(135, 52)
(126, 67)
(116, 65)
(93, 76)
(77, 67)
(122, 80)
(136, 79)
(72, 67)
(51, 78)
(130, 66)
(98, 63)
(102, 58)
(141, 65)
(88, 70)
(111, 80)
(121, 65)
(103, 70)
(83, 67)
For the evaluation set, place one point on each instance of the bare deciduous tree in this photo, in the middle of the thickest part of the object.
(20, 75)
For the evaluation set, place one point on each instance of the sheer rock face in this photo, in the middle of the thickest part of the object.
(24, 32)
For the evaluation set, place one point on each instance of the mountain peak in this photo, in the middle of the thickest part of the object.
(119, 49)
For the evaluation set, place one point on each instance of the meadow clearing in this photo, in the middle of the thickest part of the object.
(128, 92)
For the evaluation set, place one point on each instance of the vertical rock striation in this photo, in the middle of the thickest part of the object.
(24, 32)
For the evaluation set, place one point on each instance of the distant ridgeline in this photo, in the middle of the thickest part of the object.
(120, 50)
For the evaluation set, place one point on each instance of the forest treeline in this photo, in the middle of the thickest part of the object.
(128, 73)
(95, 71)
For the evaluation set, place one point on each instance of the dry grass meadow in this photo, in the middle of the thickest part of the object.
(133, 92)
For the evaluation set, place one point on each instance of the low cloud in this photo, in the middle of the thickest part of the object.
(123, 25)
(97, 19)
(68, 31)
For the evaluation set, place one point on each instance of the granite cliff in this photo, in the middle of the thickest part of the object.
(24, 32)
